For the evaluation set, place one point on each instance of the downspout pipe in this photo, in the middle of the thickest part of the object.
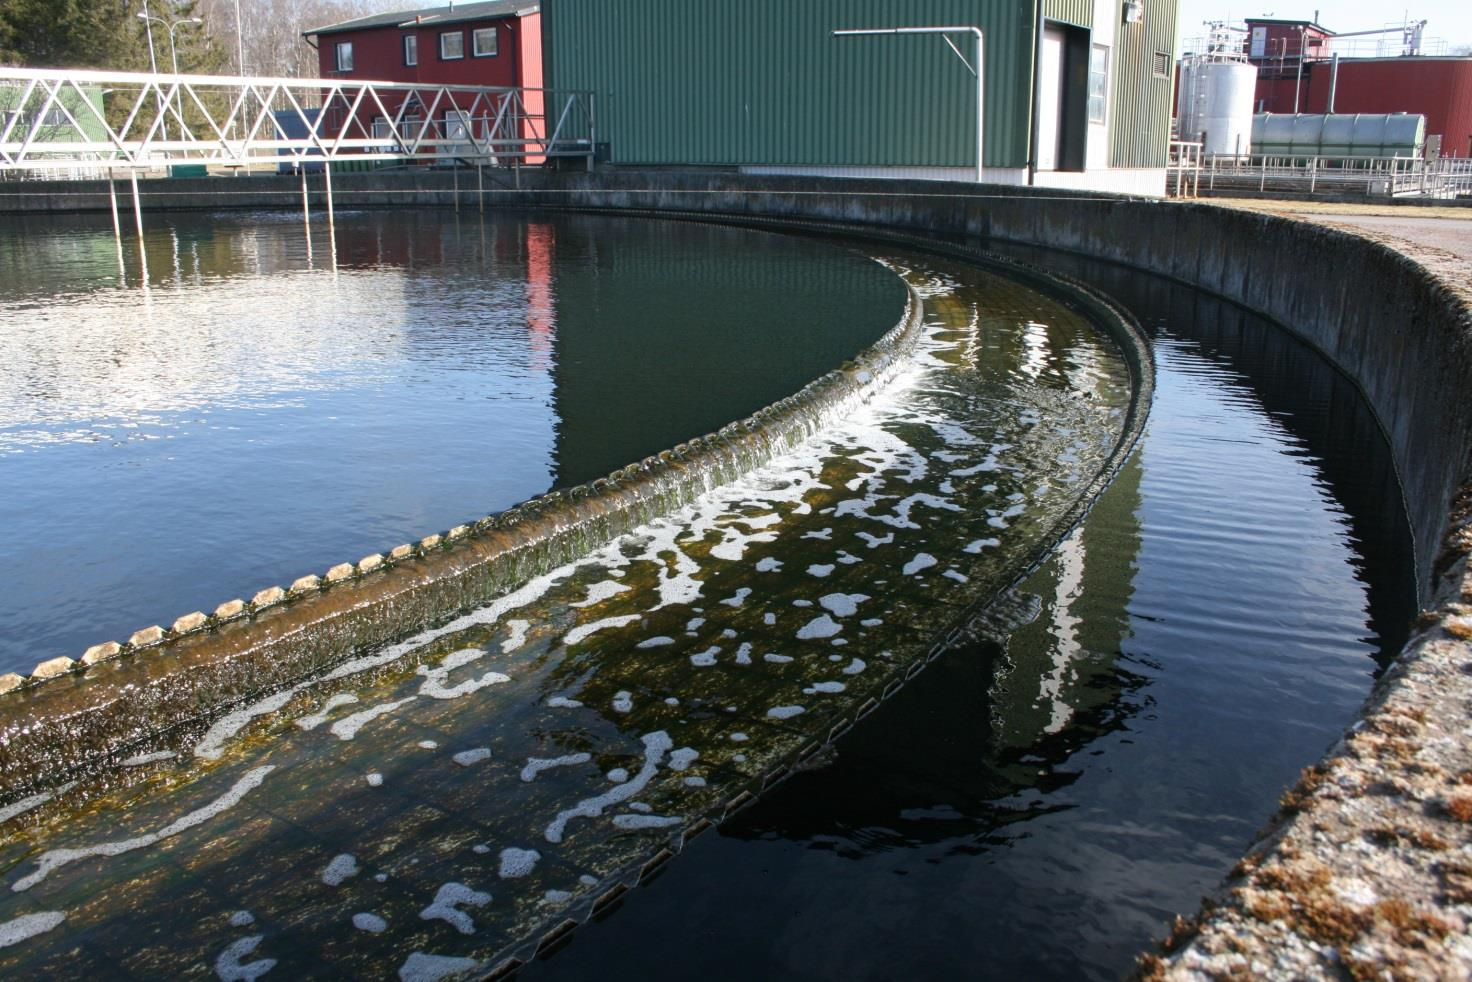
(1033, 102)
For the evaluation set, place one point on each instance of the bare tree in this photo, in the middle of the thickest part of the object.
(273, 43)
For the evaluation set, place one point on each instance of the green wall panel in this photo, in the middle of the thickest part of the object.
(1079, 13)
(729, 82)
(1140, 128)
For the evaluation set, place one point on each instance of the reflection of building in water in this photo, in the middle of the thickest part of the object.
(1061, 670)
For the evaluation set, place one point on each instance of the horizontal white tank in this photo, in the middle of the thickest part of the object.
(1216, 104)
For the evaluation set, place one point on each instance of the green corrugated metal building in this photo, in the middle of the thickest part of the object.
(1078, 92)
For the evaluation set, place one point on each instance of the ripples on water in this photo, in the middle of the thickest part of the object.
(251, 416)
(1042, 811)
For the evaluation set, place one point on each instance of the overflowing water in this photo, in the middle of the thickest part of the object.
(470, 788)
(246, 418)
(1043, 808)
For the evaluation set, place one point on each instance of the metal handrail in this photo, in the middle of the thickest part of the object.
(233, 121)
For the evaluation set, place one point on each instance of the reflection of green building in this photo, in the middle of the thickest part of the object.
(1061, 668)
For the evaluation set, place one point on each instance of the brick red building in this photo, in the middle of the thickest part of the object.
(1294, 68)
(497, 43)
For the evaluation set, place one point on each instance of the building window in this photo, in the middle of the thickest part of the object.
(452, 45)
(483, 42)
(1162, 64)
(411, 50)
(1098, 83)
(344, 56)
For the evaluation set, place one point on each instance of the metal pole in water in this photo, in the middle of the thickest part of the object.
(306, 207)
(480, 187)
(455, 173)
(117, 226)
(331, 214)
(137, 204)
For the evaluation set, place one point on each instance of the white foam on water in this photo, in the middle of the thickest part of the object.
(743, 653)
(871, 622)
(143, 760)
(635, 823)
(683, 758)
(419, 967)
(739, 737)
(480, 848)
(835, 658)
(54, 859)
(517, 636)
(618, 775)
(839, 642)
(876, 541)
(671, 701)
(325, 713)
(997, 522)
(599, 592)
(537, 765)
(822, 534)
(588, 881)
(842, 604)
(739, 758)
(776, 659)
(28, 926)
(706, 658)
(435, 679)
(923, 561)
(212, 745)
(558, 897)
(694, 623)
(958, 577)
(658, 642)
(728, 634)
(829, 688)
(33, 802)
(516, 863)
(656, 745)
(848, 558)
(348, 727)
(428, 745)
(242, 918)
(641, 807)
(802, 603)
(375, 780)
(582, 632)
(340, 870)
(821, 570)
(981, 544)
(230, 968)
(695, 781)
(819, 627)
(371, 923)
(469, 758)
(785, 712)
(769, 619)
(562, 702)
(623, 701)
(768, 565)
(447, 903)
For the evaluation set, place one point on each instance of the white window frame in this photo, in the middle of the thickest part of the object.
(342, 56)
(411, 50)
(475, 36)
(445, 36)
(1098, 56)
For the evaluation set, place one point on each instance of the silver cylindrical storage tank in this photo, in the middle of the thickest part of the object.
(1227, 91)
(1339, 134)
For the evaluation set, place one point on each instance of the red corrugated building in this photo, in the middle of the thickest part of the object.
(1436, 87)
(497, 43)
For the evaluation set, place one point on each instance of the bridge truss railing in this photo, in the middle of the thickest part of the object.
(54, 121)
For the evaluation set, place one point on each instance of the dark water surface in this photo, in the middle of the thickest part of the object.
(1041, 810)
(252, 416)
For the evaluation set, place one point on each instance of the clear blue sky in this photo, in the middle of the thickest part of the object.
(1449, 19)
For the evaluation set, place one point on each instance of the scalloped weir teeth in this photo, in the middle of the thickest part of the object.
(563, 740)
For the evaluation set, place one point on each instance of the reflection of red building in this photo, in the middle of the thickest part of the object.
(496, 43)
(1295, 70)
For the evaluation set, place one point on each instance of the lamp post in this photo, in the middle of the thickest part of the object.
(239, 40)
(978, 70)
(148, 20)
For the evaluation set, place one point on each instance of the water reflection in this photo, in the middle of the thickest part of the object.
(242, 418)
(1040, 807)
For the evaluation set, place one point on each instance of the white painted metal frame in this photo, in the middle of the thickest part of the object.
(232, 121)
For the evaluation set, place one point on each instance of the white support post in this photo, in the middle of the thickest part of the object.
(455, 176)
(331, 213)
(137, 204)
(306, 205)
(480, 186)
